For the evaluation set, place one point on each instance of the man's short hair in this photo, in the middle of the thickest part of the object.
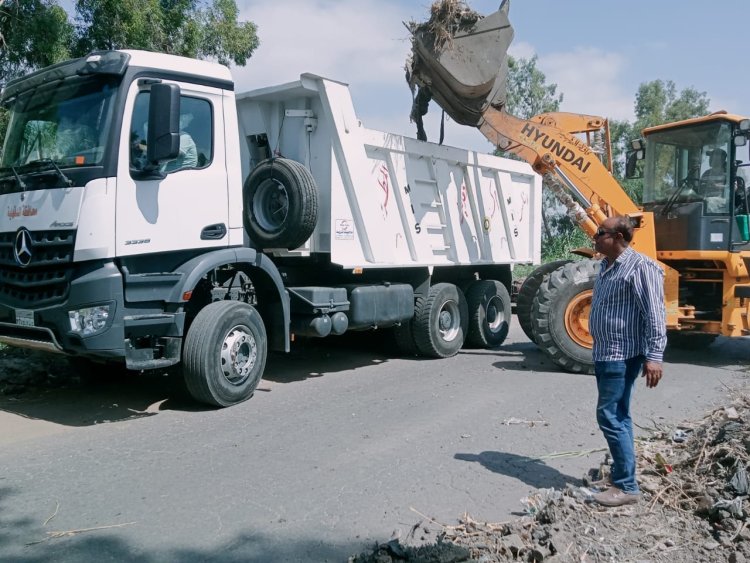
(625, 226)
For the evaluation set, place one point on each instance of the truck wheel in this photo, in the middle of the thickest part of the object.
(281, 204)
(402, 337)
(560, 315)
(489, 314)
(440, 321)
(527, 293)
(225, 353)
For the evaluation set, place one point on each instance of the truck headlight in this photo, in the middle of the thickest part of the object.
(90, 320)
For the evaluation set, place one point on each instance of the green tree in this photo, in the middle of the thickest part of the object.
(38, 33)
(223, 38)
(33, 34)
(182, 27)
(118, 24)
(621, 133)
(529, 94)
(656, 102)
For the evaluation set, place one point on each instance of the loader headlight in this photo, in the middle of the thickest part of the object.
(90, 320)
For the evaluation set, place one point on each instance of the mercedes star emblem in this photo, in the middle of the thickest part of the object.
(22, 247)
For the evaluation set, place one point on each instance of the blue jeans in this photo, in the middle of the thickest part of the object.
(615, 381)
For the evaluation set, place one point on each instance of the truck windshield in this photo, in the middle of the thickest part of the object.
(66, 122)
(690, 164)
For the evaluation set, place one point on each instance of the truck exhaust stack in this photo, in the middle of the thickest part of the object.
(459, 58)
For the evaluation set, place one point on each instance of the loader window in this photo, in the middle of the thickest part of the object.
(689, 164)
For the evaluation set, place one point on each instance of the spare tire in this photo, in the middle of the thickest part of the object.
(280, 204)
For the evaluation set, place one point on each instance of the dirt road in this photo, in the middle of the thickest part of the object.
(340, 446)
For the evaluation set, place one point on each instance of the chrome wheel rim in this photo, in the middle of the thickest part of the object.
(239, 353)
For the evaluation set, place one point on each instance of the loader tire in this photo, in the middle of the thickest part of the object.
(440, 321)
(527, 293)
(489, 314)
(560, 315)
(224, 353)
(280, 204)
(689, 340)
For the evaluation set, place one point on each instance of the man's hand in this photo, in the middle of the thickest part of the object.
(652, 372)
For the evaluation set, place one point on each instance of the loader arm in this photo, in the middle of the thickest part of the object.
(570, 167)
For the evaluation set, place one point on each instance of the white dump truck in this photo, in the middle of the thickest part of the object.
(152, 216)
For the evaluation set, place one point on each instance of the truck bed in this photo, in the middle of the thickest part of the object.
(388, 200)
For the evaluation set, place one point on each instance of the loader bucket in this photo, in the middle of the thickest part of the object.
(467, 72)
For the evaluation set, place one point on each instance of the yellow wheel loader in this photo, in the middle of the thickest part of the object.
(693, 218)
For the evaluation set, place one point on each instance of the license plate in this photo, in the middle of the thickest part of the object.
(24, 317)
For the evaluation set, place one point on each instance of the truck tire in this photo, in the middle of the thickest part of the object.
(440, 321)
(225, 353)
(402, 336)
(560, 315)
(527, 293)
(489, 314)
(281, 204)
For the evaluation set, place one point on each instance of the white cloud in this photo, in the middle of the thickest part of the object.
(522, 50)
(589, 79)
(360, 42)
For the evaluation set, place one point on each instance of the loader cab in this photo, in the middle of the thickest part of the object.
(695, 177)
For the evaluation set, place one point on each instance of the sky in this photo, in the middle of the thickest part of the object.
(596, 51)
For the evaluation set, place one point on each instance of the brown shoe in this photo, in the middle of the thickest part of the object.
(616, 497)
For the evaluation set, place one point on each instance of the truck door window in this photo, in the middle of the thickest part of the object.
(196, 134)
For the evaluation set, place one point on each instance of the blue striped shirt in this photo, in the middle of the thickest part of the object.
(628, 317)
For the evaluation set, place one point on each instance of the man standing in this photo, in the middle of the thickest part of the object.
(628, 325)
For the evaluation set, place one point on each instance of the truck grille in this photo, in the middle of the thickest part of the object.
(45, 280)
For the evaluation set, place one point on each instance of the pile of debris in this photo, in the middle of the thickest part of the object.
(23, 370)
(694, 508)
(447, 17)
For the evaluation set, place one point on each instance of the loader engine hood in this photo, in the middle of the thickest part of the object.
(461, 58)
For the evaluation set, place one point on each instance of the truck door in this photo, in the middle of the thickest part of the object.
(188, 208)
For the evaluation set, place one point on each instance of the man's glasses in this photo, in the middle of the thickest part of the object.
(602, 231)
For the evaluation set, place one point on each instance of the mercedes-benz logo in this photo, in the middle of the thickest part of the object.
(22, 247)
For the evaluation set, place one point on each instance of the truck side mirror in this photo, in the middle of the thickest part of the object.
(631, 168)
(163, 139)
